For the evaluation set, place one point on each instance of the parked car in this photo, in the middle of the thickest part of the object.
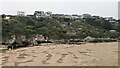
(43, 41)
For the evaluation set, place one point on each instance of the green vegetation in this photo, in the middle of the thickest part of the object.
(59, 28)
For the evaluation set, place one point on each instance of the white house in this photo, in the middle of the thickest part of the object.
(7, 17)
(20, 13)
(75, 16)
(49, 13)
(112, 31)
(89, 38)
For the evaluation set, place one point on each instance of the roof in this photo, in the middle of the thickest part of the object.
(89, 38)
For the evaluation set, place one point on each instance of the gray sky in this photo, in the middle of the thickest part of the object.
(103, 8)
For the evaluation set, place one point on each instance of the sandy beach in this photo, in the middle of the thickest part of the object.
(89, 54)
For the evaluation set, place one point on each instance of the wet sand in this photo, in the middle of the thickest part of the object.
(89, 54)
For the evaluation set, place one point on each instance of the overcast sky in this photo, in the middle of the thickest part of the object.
(105, 8)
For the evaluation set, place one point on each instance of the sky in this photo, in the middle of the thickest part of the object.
(104, 8)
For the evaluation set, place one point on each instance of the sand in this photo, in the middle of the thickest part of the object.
(89, 54)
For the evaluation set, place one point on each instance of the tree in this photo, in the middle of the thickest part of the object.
(30, 22)
(106, 25)
(3, 15)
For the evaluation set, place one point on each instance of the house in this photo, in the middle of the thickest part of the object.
(54, 15)
(30, 15)
(60, 15)
(7, 18)
(20, 13)
(39, 14)
(75, 16)
(110, 19)
(112, 31)
(96, 17)
(67, 16)
(48, 14)
(84, 16)
(88, 38)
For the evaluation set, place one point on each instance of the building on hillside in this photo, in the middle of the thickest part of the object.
(96, 17)
(48, 14)
(30, 15)
(59, 15)
(20, 13)
(84, 16)
(75, 16)
(54, 15)
(110, 19)
(67, 16)
(7, 17)
(88, 38)
(39, 14)
(112, 31)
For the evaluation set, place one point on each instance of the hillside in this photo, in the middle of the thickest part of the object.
(58, 28)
